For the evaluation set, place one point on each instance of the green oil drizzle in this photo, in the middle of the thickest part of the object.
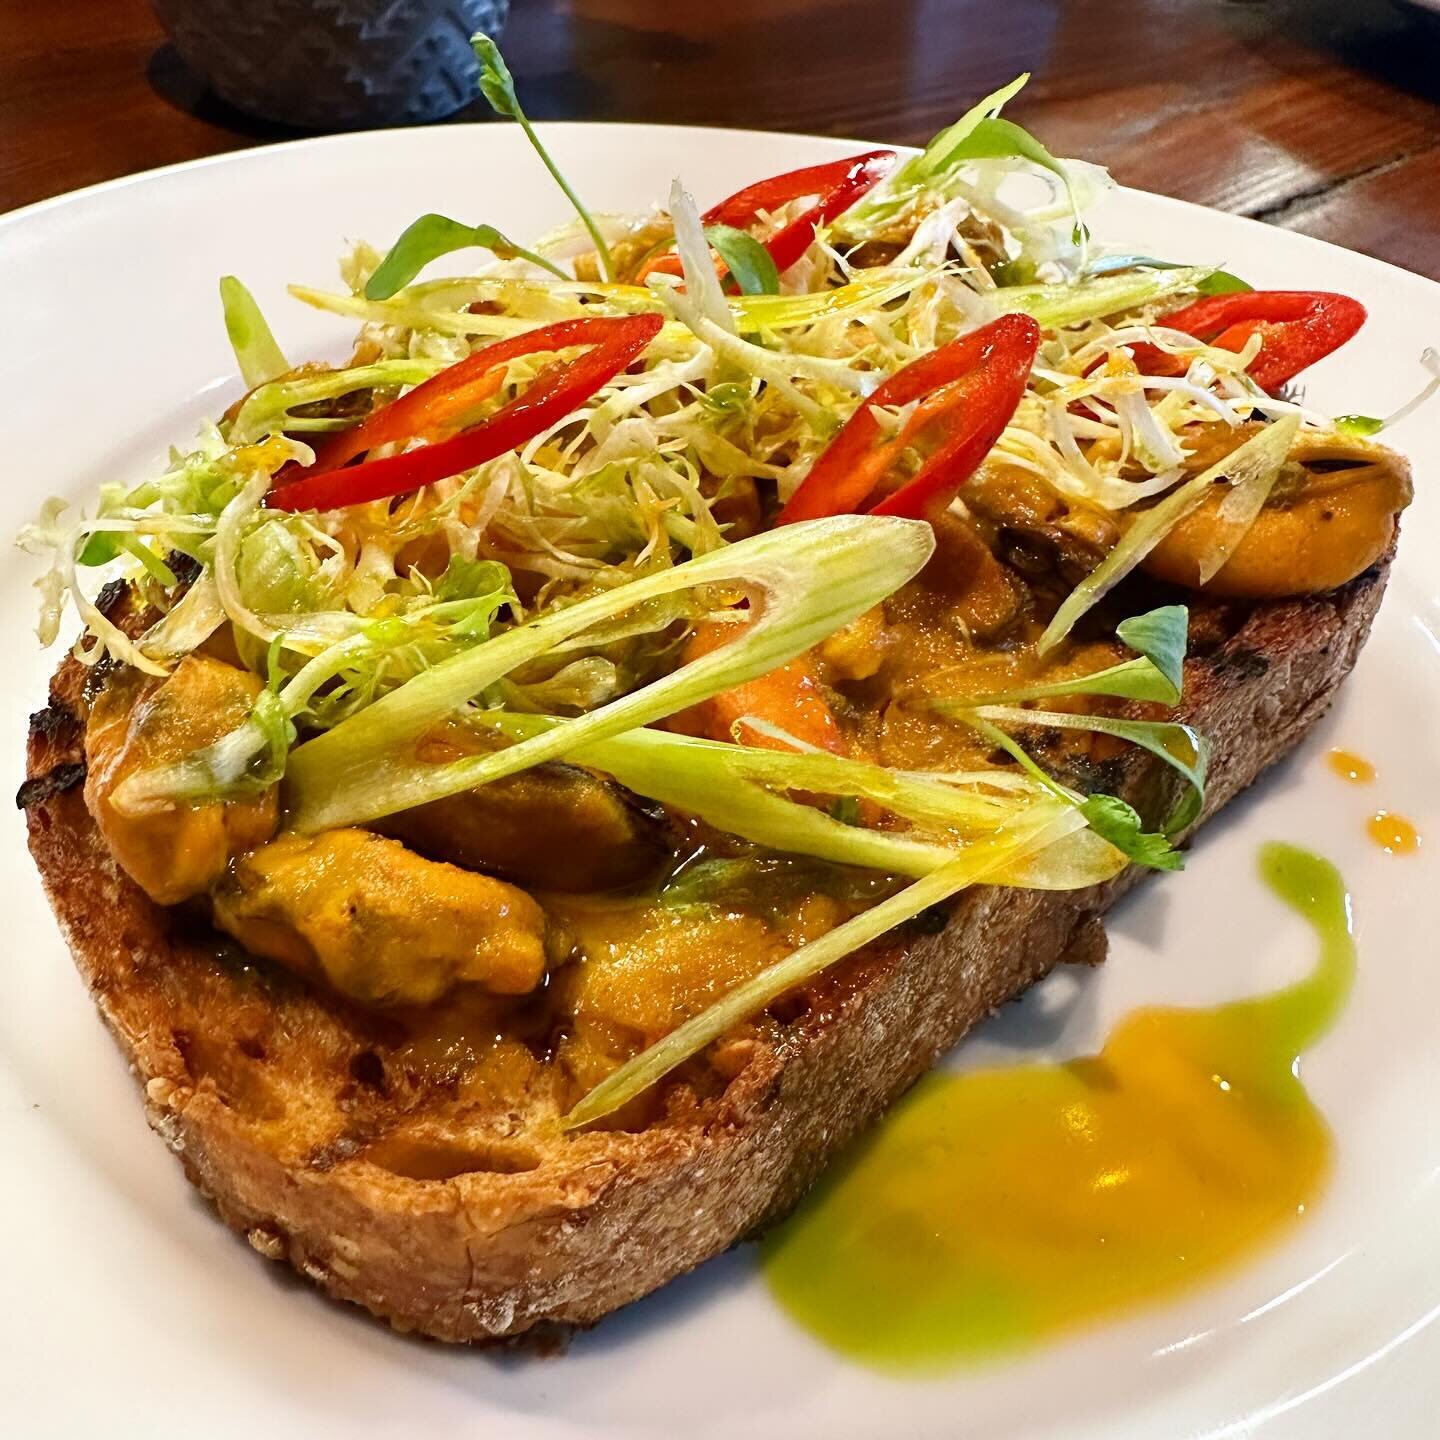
(1001, 1207)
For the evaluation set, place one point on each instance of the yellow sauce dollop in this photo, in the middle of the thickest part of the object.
(1352, 767)
(1393, 833)
(1000, 1207)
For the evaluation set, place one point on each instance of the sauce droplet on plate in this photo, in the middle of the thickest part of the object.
(1349, 766)
(1393, 833)
(1002, 1206)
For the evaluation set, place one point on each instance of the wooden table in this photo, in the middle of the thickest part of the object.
(1319, 115)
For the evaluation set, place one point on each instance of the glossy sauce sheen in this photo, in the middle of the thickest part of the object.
(1000, 1207)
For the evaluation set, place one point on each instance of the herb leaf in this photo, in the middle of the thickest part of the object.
(1179, 746)
(1159, 637)
(103, 546)
(1113, 820)
(747, 260)
(100, 548)
(1222, 282)
(432, 236)
(497, 85)
(891, 196)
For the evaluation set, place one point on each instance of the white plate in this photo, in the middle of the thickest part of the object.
(130, 1308)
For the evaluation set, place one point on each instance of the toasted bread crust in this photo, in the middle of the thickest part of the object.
(261, 1086)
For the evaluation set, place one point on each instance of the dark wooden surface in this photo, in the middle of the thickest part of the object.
(1320, 115)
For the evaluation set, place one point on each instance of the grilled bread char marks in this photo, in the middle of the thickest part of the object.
(444, 1199)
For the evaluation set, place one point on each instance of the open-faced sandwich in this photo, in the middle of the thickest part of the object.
(537, 790)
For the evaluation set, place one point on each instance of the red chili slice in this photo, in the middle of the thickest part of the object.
(435, 406)
(1296, 328)
(971, 387)
(836, 186)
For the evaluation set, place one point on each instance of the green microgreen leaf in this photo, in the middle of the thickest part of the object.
(497, 85)
(1144, 847)
(994, 138)
(1222, 282)
(1182, 748)
(1056, 306)
(1117, 822)
(432, 236)
(1159, 638)
(747, 260)
(103, 546)
(1019, 271)
(100, 548)
(921, 171)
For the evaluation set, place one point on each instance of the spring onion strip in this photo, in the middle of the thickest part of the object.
(1043, 826)
(258, 356)
(816, 578)
(267, 408)
(1263, 453)
(440, 304)
(405, 311)
(1056, 306)
(871, 290)
(1238, 511)
(721, 783)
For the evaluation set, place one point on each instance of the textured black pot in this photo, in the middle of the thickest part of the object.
(334, 64)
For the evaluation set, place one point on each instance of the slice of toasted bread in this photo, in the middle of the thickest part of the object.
(488, 1220)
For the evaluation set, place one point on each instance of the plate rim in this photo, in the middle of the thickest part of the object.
(16, 221)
